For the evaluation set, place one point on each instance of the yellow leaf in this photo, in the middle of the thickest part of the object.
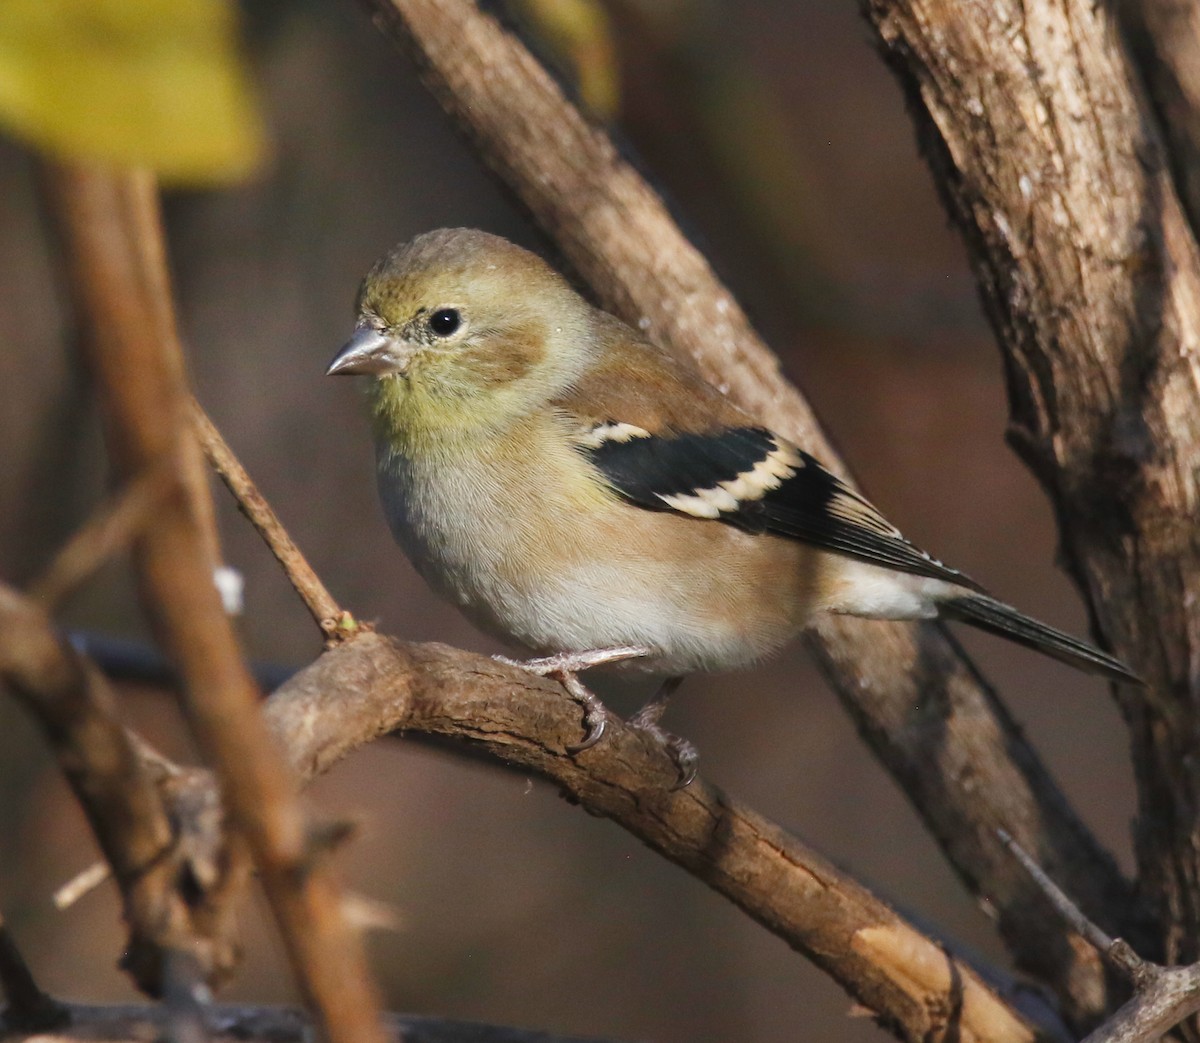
(157, 83)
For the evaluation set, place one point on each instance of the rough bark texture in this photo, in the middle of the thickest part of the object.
(374, 684)
(927, 714)
(1049, 161)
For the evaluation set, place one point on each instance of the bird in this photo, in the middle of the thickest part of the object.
(584, 494)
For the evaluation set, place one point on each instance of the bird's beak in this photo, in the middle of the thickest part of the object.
(369, 351)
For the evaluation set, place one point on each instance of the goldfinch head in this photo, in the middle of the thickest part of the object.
(460, 326)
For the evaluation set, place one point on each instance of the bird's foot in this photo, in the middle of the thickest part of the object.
(680, 750)
(564, 667)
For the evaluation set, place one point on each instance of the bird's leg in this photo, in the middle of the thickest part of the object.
(564, 666)
(682, 752)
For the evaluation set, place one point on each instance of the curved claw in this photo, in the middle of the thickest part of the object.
(687, 762)
(596, 729)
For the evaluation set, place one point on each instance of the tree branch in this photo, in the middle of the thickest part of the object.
(113, 242)
(119, 794)
(1037, 131)
(373, 685)
(28, 1008)
(1163, 998)
(927, 714)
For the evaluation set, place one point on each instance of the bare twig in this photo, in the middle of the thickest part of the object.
(1115, 950)
(82, 883)
(113, 242)
(1165, 996)
(1171, 997)
(109, 530)
(29, 1008)
(961, 760)
(333, 621)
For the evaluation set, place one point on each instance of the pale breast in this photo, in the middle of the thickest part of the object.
(540, 554)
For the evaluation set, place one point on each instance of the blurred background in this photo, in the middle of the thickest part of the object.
(783, 145)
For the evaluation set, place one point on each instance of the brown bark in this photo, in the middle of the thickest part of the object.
(1049, 161)
(930, 718)
(374, 684)
(114, 252)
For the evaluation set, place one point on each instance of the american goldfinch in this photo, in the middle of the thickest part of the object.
(582, 493)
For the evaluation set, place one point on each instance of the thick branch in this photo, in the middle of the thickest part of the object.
(113, 241)
(1038, 135)
(929, 717)
(373, 685)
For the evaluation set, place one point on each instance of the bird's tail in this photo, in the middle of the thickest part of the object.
(989, 614)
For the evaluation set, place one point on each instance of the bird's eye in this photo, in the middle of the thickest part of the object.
(445, 321)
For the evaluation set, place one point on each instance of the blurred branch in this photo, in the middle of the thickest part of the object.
(114, 249)
(1165, 40)
(926, 712)
(131, 1023)
(334, 623)
(1163, 998)
(1090, 273)
(117, 789)
(108, 531)
(28, 1008)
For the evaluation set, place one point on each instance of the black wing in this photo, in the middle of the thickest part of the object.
(751, 478)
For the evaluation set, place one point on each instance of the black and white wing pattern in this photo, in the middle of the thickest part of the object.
(752, 478)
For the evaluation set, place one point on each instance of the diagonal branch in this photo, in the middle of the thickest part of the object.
(927, 714)
(1090, 273)
(316, 597)
(374, 685)
(113, 243)
(28, 1008)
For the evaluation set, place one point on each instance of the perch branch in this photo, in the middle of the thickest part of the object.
(113, 242)
(374, 685)
(929, 717)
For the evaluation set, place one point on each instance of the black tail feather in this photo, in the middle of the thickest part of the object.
(999, 618)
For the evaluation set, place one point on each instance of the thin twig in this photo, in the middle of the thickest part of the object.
(82, 883)
(1164, 996)
(333, 621)
(112, 235)
(28, 1007)
(1118, 952)
(111, 528)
